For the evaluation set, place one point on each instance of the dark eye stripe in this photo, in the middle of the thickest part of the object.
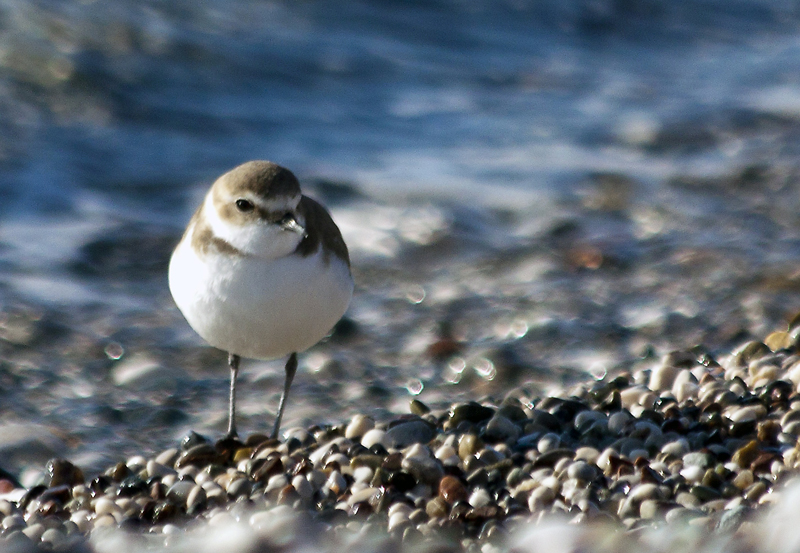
(245, 206)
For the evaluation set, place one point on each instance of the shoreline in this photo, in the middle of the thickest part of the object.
(692, 443)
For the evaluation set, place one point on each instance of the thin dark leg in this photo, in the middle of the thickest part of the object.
(233, 363)
(291, 368)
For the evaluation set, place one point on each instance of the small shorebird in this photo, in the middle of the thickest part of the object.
(261, 271)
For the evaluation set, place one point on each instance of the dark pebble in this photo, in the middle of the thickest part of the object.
(198, 456)
(62, 472)
(193, 439)
(131, 486)
(471, 412)
(408, 433)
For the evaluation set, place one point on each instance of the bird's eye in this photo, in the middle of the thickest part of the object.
(245, 206)
(286, 219)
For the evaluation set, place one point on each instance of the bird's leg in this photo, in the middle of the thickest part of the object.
(233, 363)
(291, 368)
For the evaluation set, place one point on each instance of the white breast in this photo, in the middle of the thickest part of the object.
(261, 309)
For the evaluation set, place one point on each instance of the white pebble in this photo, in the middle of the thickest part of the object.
(360, 425)
(372, 437)
(336, 482)
(302, 486)
(105, 520)
(396, 520)
(399, 508)
(13, 521)
(81, 520)
(479, 498)
(444, 452)
(167, 457)
(693, 473)
(276, 482)
(540, 498)
(202, 478)
(136, 463)
(362, 474)
(104, 506)
(53, 536)
(34, 531)
(748, 413)
(364, 495)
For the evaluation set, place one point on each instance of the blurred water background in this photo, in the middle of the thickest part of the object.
(533, 193)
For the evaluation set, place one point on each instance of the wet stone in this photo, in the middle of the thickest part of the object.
(131, 486)
(468, 444)
(755, 491)
(200, 455)
(418, 408)
(552, 457)
(501, 429)
(179, 492)
(407, 433)
(746, 454)
(193, 439)
(423, 468)
(470, 412)
(60, 494)
(451, 489)
(704, 493)
(62, 472)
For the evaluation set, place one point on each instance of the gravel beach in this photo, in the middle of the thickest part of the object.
(689, 453)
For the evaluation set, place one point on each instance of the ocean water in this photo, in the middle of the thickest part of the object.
(546, 191)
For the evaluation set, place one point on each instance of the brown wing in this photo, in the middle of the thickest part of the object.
(320, 229)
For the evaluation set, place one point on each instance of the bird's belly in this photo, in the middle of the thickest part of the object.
(260, 309)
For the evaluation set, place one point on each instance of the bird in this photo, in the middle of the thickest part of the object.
(261, 272)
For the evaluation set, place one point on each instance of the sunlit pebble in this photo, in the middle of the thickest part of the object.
(414, 386)
(114, 350)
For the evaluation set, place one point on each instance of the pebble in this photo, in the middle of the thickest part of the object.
(36, 530)
(549, 442)
(408, 433)
(13, 522)
(374, 437)
(359, 425)
(451, 489)
(501, 429)
(479, 498)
